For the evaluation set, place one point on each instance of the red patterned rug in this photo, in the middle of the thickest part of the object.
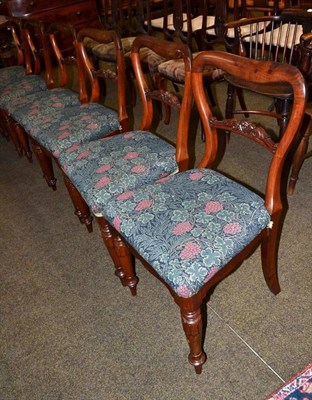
(298, 387)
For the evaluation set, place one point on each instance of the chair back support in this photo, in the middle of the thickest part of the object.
(14, 25)
(167, 50)
(86, 69)
(270, 37)
(262, 73)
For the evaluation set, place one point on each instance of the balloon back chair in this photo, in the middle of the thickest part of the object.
(120, 164)
(194, 228)
(25, 77)
(61, 119)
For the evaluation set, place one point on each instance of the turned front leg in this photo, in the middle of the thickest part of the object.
(108, 239)
(81, 208)
(126, 264)
(193, 328)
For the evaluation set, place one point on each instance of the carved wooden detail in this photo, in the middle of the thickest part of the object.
(165, 97)
(246, 129)
(106, 74)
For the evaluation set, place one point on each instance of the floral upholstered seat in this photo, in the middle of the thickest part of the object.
(11, 75)
(189, 225)
(72, 126)
(20, 88)
(114, 165)
(29, 108)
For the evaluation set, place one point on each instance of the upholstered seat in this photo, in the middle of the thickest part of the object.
(188, 226)
(174, 70)
(107, 52)
(26, 110)
(72, 126)
(111, 166)
(10, 75)
(21, 88)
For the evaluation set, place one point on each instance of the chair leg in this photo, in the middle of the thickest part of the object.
(193, 328)
(9, 122)
(269, 252)
(45, 165)
(126, 264)
(23, 140)
(81, 208)
(108, 239)
(299, 155)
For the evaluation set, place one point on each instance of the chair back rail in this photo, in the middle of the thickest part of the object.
(87, 68)
(262, 73)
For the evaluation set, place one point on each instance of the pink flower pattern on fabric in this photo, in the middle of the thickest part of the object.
(128, 135)
(92, 126)
(61, 128)
(183, 291)
(57, 105)
(211, 273)
(143, 204)
(85, 118)
(164, 179)
(125, 195)
(104, 181)
(131, 155)
(232, 228)
(72, 148)
(103, 168)
(213, 207)
(190, 251)
(182, 228)
(117, 223)
(138, 169)
(64, 135)
(195, 176)
(84, 154)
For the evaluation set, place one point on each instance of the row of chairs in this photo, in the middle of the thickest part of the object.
(190, 227)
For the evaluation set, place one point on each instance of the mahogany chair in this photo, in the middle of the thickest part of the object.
(194, 228)
(17, 100)
(120, 164)
(56, 125)
(302, 151)
(20, 79)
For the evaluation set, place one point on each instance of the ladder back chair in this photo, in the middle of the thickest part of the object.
(192, 229)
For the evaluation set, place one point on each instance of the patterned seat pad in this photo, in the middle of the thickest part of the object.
(57, 131)
(120, 163)
(10, 75)
(20, 89)
(175, 70)
(27, 109)
(189, 225)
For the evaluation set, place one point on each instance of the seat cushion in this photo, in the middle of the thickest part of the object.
(26, 110)
(74, 125)
(20, 89)
(116, 164)
(148, 58)
(188, 226)
(10, 75)
(107, 51)
(174, 70)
